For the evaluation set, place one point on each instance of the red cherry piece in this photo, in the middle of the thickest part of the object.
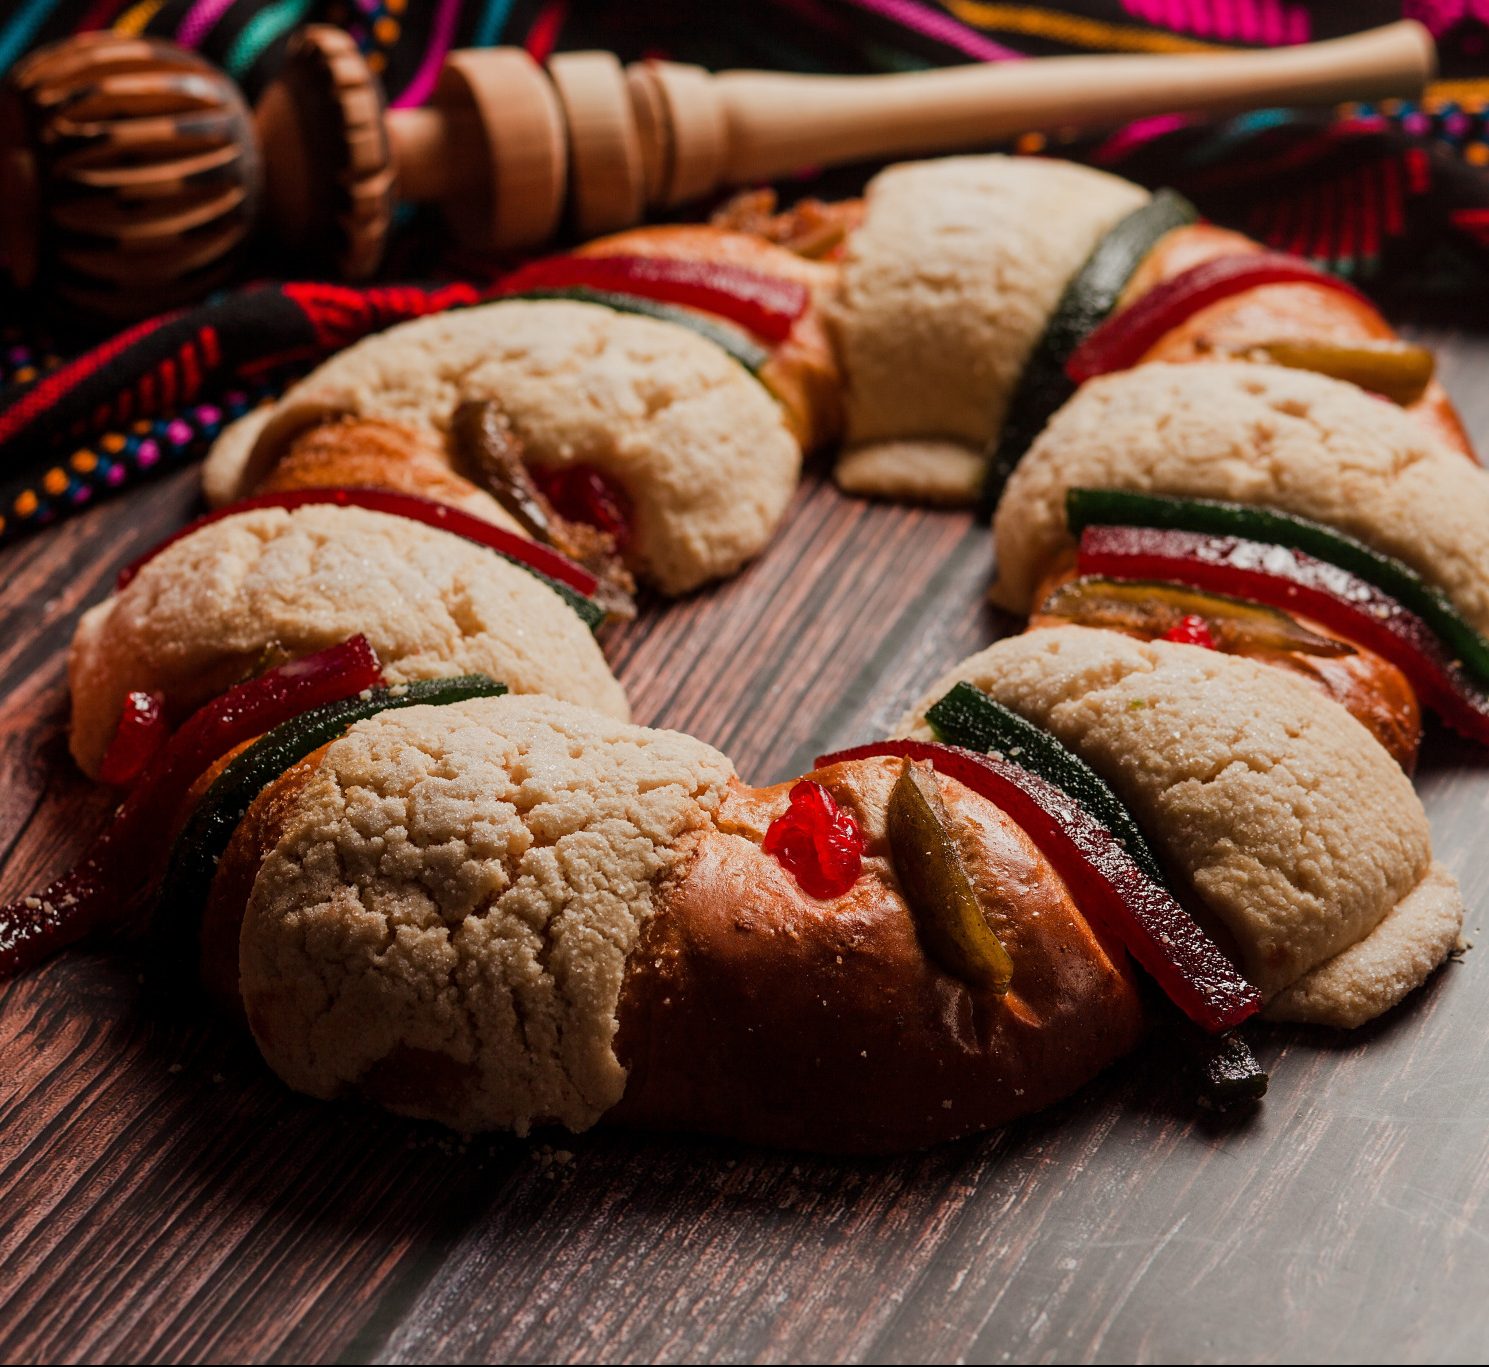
(581, 493)
(817, 842)
(1191, 630)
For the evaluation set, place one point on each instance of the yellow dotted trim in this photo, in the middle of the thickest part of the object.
(1475, 88)
(55, 481)
(113, 442)
(25, 504)
(84, 462)
(386, 31)
(1476, 154)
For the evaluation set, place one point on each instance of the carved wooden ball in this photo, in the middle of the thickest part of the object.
(129, 172)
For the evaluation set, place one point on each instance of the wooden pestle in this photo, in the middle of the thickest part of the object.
(511, 154)
(698, 133)
(777, 122)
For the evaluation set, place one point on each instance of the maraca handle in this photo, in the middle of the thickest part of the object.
(778, 123)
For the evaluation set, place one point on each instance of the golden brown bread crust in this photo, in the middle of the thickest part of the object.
(371, 453)
(346, 453)
(1368, 687)
(1182, 249)
(755, 1011)
(802, 371)
(1365, 684)
(1269, 313)
(814, 228)
(222, 917)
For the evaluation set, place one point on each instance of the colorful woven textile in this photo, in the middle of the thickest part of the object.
(1399, 190)
(79, 428)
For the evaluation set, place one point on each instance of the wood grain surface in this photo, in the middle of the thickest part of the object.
(163, 1198)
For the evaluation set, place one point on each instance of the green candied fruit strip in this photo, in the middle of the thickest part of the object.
(1088, 299)
(747, 352)
(968, 717)
(205, 836)
(1215, 517)
(590, 612)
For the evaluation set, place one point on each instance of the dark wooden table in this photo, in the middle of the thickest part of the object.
(162, 1197)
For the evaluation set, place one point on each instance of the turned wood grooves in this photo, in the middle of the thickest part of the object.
(163, 1198)
(324, 117)
(129, 174)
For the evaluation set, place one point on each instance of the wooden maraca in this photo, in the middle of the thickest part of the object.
(131, 174)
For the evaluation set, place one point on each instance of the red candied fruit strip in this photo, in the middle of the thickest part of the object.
(1127, 336)
(530, 553)
(126, 856)
(1107, 885)
(141, 732)
(1280, 577)
(766, 305)
(817, 842)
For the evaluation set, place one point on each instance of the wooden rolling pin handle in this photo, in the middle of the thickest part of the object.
(778, 123)
(431, 152)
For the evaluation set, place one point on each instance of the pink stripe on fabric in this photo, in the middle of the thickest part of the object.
(943, 29)
(200, 20)
(1274, 21)
(1128, 139)
(1248, 21)
(441, 37)
(1270, 23)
